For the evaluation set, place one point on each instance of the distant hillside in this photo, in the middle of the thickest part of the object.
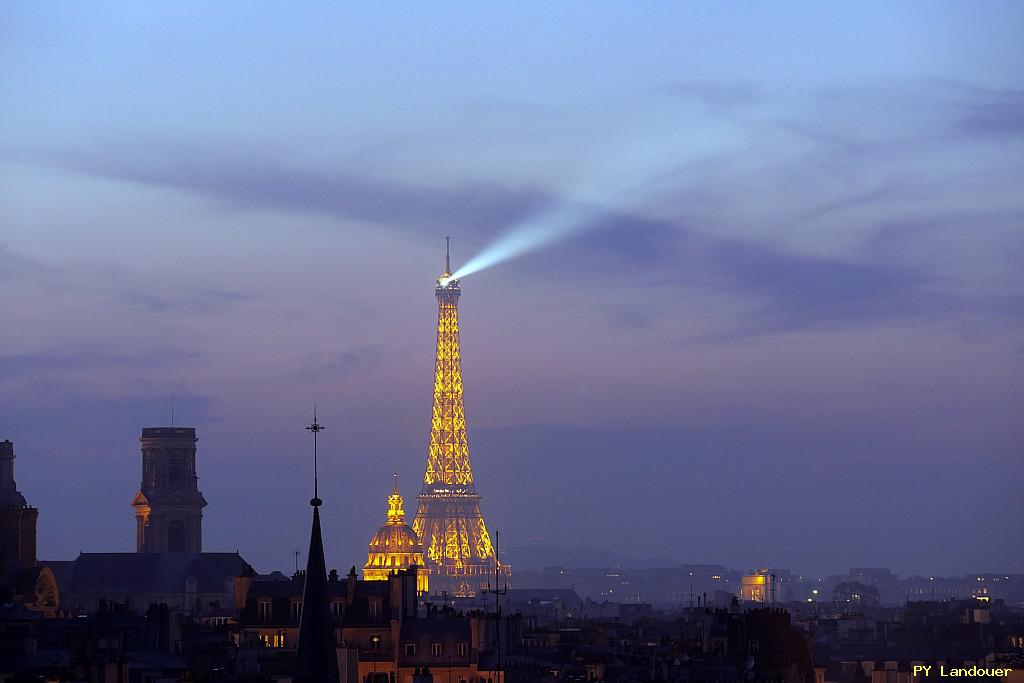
(539, 557)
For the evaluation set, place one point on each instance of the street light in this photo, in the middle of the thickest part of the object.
(374, 640)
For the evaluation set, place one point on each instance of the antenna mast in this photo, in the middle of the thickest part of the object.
(447, 255)
(497, 609)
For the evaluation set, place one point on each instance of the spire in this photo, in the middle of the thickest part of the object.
(396, 505)
(9, 494)
(447, 256)
(316, 657)
(316, 428)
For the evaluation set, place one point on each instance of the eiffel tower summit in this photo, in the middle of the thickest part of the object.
(448, 518)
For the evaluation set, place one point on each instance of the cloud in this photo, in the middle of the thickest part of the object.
(243, 179)
(850, 173)
(988, 111)
(343, 363)
(851, 201)
(720, 96)
(632, 317)
(783, 291)
(812, 284)
(13, 265)
(187, 300)
(86, 357)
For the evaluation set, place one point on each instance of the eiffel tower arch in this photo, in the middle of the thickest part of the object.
(448, 520)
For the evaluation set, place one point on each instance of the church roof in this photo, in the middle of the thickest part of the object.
(121, 573)
(394, 538)
(316, 659)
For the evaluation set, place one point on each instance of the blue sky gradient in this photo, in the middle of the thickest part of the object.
(791, 291)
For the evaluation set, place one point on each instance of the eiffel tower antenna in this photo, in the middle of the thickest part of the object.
(447, 255)
(316, 428)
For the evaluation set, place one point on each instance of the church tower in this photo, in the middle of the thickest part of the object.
(169, 505)
(448, 518)
(17, 518)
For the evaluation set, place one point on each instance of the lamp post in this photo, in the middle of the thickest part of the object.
(374, 640)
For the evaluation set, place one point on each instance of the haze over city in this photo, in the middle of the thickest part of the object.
(775, 319)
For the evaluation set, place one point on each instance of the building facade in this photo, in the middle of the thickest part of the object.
(382, 633)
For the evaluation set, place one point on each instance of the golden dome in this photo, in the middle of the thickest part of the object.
(394, 538)
(395, 546)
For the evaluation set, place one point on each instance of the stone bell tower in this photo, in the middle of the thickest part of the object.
(17, 518)
(169, 505)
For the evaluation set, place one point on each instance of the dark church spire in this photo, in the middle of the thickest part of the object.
(316, 657)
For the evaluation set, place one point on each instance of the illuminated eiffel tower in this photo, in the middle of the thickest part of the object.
(448, 519)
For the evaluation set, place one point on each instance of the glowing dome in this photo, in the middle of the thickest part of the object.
(395, 546)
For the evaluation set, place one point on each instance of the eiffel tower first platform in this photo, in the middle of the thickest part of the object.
(448, 518)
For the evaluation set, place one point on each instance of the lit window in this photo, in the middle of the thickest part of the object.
(276, 640)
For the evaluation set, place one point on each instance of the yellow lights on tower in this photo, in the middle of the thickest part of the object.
(448, 453)
(448, 519)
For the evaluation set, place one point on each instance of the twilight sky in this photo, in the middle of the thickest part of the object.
(787, 329)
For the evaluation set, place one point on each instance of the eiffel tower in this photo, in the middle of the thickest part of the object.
(448, 519)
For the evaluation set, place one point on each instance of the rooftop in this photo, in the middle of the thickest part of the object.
(168, 432)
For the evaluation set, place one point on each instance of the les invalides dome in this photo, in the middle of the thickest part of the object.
(395, 546)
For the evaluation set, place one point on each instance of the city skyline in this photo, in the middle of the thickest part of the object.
(783, 329)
